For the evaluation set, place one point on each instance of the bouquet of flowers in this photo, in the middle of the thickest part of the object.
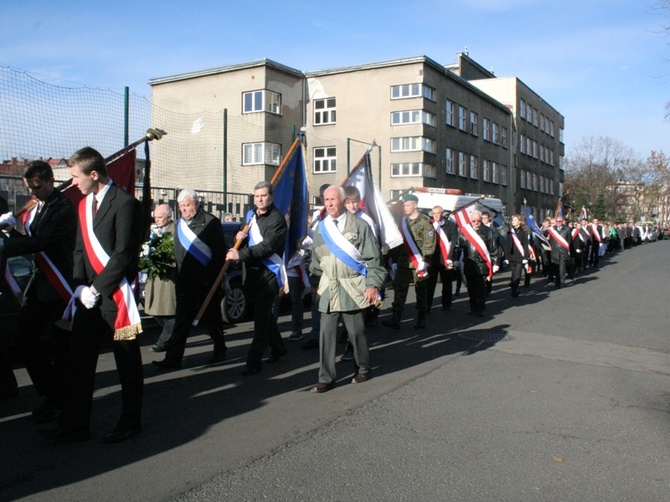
(157, 255)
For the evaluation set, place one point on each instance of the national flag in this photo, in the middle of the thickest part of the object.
(373, 205)
(559, 208)
(290, 198)
(530, 222)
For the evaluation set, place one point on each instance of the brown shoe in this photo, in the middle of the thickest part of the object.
(360, 378)
(322, 387)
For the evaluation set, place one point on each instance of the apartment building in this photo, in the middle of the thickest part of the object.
(427, 124)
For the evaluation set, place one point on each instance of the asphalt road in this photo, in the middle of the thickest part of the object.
(557, 395)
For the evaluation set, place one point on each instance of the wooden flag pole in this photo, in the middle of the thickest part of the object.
(238, 243)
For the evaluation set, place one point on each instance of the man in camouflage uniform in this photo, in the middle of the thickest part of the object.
(410, 262)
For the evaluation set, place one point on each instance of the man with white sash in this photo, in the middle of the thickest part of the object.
(266, 274)
(446, 252)
(559, 237)
(347, 272)
(105, 266)
(410, 263)
(50, 233)
(199, 250)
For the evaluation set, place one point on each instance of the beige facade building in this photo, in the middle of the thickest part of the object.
(427, 124)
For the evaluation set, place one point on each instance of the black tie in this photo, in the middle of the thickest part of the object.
(95, 206)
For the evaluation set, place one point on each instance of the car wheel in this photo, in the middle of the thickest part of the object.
(234, 305)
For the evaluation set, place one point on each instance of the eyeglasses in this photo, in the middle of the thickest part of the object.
(476, 221)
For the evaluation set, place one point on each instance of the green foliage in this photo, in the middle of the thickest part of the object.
(157, 257)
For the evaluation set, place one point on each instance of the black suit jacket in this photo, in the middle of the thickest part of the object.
(556, 249)
(53, 231)
(118, 227)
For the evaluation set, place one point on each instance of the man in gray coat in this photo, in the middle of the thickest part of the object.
(346, 264)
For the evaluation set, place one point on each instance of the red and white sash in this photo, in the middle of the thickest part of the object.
(594, 231)
(443, 241)
(128, 322)
(413, 251)
(46, 265)
(463, 221)
(517, 241)
(558, 238)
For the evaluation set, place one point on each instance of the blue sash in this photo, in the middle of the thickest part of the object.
(341, 247)
(192, 244)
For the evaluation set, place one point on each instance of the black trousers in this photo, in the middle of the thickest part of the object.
(477, 292)
(262, 288)
(89, 331)
(446, 277)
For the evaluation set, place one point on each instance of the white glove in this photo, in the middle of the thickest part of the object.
(505, 262)
(495, 269)
(450, 264)
(77, 292)
(306, 242)
(7, 221)
(88, 298)
(525, 262)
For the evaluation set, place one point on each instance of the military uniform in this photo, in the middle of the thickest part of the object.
(424, 237)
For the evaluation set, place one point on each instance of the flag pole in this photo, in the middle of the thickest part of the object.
(149, 136)
(238, 243)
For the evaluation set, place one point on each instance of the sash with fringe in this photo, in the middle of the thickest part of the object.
(128, 323)
(343, 250)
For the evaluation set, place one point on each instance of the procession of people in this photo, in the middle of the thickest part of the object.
(87, 265)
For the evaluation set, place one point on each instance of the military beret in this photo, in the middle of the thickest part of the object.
(410, 197)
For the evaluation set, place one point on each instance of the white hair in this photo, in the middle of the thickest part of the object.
(188, 192)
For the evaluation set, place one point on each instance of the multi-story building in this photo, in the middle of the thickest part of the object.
(428, 125)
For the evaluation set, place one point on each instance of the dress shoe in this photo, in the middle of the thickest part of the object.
(46, 416)
(120, 434)
(274, 358)
(166, 364)
(390, 323)
(59, 436)
(157, 348)
(360, 378)
(217, 357)
(310, 345)
(322, 387)
(251, 370)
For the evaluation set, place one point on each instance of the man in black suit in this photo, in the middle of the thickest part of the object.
(50, 230)
(442, 262)
(105, 264)
(199, 249)
(559, 237)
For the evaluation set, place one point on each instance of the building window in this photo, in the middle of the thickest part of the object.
(522, 109)
(522, 143)
(535, 182)
(529, 180)
(522, 179)
(412, 144)
(474, 123)
(494, 173)
(325, 159)
(486, 170)
(474, 167)
(462, 118)
(462, 164)
(503, 174)
(535, 117)
(486, 129)
(503, 137)
(535, 149)
(260, 153)
(412, 91)
(529, 146)
(450, 113)
(494, 133)
(324, 111)
(261, 101)
(406, 169)
(412, 117)
(450, 161)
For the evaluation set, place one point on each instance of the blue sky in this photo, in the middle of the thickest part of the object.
(603, 64)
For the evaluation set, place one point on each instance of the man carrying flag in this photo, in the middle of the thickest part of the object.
(50, 233)
(266, 273)
(480, 255)
(105, 265)
(410, 262)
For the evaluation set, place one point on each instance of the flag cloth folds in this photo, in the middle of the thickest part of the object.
(373, 205)
(582, 215)
(530, 222)
(290, 198)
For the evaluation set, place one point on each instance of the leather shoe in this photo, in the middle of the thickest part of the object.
(59, 436)
(251, 370)
(322, 387)
(121, 434)
(360, 378)
(387, 323)
(217, 357)
(166, 364)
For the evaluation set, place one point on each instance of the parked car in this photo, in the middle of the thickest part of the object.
(234, 305)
